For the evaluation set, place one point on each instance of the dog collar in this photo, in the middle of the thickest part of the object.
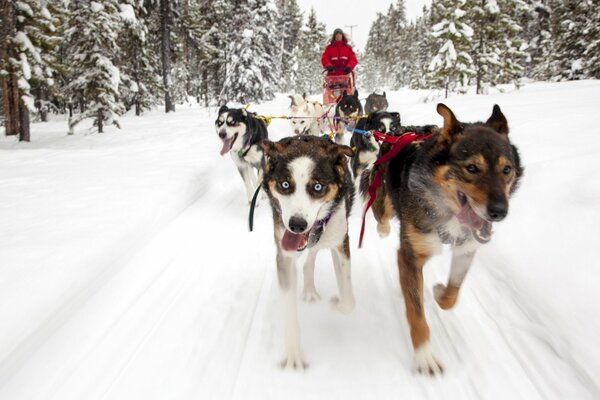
(317, 230)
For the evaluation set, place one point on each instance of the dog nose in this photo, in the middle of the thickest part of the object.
(222, 135)
(497, 211)
(297, 224)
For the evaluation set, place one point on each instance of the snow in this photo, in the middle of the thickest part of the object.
(128, 271)
(127, 13)
(96, 7)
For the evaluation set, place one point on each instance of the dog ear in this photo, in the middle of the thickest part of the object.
(451, 125)
(339, 153)
(396, 116)
(271, 148)
(498, 121)
(356, 93)
(293, 100)
(384, 95)
(344, 94)
(223, 109)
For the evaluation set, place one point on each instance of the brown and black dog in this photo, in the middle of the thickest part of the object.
(448, 189)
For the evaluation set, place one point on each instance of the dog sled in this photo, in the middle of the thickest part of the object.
(334, 86)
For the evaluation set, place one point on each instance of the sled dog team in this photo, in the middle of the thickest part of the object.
(447, 185)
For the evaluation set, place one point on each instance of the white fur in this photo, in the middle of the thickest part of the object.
(310, 125)
(424, 361)
(300, 203)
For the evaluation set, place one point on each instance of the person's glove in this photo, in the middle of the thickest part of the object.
(347, 70)
(329, 68)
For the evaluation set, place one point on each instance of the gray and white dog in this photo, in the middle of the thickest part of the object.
(242, 134)
(376, 102)
(309, 186)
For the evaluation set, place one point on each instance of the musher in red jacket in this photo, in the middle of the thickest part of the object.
(338, 57)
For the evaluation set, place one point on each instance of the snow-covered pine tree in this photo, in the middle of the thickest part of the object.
(308, 55)
(537, 37)
(570, 19)
(452, 67)
(27, 60)
(398, 41)
(92, 35)
(419, 52)
(253, 53)
(592, 36)
(374, 63)
(289, 24)
(138, 62)
(496, 43)
(216, 25)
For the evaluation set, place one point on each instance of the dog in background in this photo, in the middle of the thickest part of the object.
(242, 133)
(375, 103)
(309, 186)
(346, 111)
(366, 148)
(448, 189)
(312, 111)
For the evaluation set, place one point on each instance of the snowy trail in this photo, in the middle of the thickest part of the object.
(195, 313)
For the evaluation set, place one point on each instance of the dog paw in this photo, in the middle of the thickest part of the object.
(344, 306)
(293, 361)
(445, 296)
(310, 295)
(383, 229)
(425, 362)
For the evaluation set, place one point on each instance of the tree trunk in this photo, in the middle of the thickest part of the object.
(100, 120)
(138, 109)
(165, 43)
(10, 89)
(24, 122)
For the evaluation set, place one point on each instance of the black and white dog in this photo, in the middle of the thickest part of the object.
(308, 183)
(346, 111)
(366, 148)
(376, 102)
(242, 133)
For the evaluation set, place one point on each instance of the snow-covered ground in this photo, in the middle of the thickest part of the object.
(127, 270)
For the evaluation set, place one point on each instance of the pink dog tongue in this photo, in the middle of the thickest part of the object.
(227, 146)
(292, 241)
(467, 216)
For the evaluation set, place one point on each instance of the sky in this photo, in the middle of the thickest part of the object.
(339, 13)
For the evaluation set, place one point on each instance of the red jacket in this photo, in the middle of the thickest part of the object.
(338, 55)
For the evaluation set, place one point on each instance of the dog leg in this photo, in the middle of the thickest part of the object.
(248, 178)
(412, 255)
(341, 261)
(286, 272)
(447, 295)
(383, 212)
(309, 293)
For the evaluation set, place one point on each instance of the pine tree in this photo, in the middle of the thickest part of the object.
(308, 55)
(252, 68)
(139, 64)
(289, 25)
(496, 42)
(28, 57)
(569, 21)
(92, 36)
(592, 38)
(375, 59)
(537, 37)
(452, 66)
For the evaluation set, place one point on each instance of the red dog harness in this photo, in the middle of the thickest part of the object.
(398, 143)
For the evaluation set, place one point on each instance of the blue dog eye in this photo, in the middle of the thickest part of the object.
(285, 184)
(318, 187)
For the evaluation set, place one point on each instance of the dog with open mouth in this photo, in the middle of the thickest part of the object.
(309, 186)
(242, 133)
(447, 189)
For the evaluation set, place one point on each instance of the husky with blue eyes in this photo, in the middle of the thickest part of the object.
(242, 133)
(310, 189)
